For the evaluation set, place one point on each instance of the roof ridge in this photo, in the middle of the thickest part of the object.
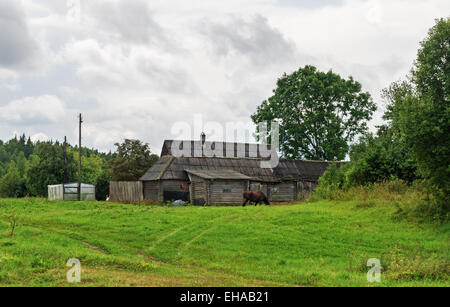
(209, 141)
(229, 158)
(312, 161)
(165, 167)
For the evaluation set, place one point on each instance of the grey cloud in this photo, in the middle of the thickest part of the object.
(18, 49)
(131, 20)
(256, 39)
(170, 78)
(244, 102)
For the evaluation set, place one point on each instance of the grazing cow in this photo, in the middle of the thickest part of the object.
(256, 197)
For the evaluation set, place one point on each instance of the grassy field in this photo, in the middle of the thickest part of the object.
(311, 244)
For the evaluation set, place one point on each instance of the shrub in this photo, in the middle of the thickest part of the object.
(414, 203)
(10, 183)
(399, 264)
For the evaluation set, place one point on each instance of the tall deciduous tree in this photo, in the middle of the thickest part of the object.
(424, 115)
(319, 114)
(133, 159)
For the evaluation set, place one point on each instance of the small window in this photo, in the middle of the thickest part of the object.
(275, 190)
(227, 190)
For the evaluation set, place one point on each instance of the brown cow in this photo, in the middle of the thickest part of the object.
(256, 197)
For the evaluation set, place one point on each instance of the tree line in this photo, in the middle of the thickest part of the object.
(27, 168)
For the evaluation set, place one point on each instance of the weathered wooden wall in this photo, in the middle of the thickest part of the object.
(126, 191)
(282, 192)
(216, 192)
(286, 191)
(198, 191)
(152, 190)
(208, 192)
(227, 192)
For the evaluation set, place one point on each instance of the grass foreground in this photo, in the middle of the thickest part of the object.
(312, 244)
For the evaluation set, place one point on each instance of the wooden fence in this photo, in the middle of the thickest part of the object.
(128, 192)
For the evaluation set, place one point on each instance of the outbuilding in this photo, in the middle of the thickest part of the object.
(222, 178)
(69, 192)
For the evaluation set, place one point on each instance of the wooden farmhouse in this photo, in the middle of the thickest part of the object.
(194, 175)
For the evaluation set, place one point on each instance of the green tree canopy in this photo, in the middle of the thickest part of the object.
(132, 160)
(10, 183)
(319, 114)
(424, 114)
(47, 167)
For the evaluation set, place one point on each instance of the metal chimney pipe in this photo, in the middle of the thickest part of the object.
(203, 138)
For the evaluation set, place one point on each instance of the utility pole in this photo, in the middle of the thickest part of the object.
(65, 159)
(79, 157)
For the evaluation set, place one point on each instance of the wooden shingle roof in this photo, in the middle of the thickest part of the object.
(218, 174)
(301, 170)
(175, 168)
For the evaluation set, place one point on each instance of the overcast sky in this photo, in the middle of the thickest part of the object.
(138, 69)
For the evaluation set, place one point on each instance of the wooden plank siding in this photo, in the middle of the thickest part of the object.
(151, 190)
(227, 192)
(216, 192)
(126, 191)
(283, 192)
(198, 190)
(287, 191)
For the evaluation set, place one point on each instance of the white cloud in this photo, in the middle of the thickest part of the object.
(8, 79)
(95, 62)
(39, 137)
(34, 110)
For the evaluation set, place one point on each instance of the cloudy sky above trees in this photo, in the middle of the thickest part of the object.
(140, 69)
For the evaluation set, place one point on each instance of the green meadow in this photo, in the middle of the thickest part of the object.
(309, 244)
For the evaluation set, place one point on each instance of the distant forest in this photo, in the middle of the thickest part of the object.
(27, 168)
